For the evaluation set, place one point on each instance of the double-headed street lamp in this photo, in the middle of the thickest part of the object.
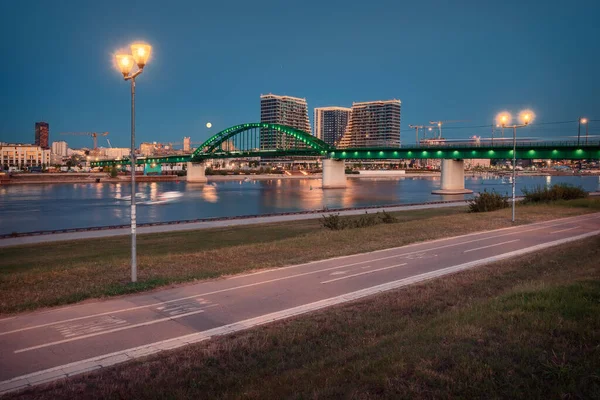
(140, 53)
(503, 119)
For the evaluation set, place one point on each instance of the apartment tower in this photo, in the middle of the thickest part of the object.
(330, 123)
(373, 124)
(283, 110)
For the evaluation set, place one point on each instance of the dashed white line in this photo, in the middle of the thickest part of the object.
(363, 273)
(491, 245)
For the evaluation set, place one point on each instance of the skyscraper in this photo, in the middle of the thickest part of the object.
(283, 110)
(42, 133)
(187, 144)
(331, 122)
(373, 124)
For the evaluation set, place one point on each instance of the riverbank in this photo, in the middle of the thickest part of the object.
(526, 327)
(43, 275)
(101, 177)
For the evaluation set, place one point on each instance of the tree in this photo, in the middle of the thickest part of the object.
(113, 171)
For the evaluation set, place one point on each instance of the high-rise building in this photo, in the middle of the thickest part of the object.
(283, 110)
(60, 148)
(42, 134)
(187, 144)
(330, 123)
(373, 124)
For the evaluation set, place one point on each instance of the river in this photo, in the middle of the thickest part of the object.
(34, 207)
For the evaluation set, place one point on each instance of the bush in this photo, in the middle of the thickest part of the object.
(488, 202)
(333, 222)
(336, 223)
(560, 191)
(113, 172)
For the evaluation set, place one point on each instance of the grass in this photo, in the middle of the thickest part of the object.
(521, 328)
(53, 274)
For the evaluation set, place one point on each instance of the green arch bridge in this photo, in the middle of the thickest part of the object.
(265, 140)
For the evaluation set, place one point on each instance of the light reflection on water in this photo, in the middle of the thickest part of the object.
(56, 206)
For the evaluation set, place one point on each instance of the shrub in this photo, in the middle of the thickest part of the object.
(560, 191)
(333, 222)
(113, 172)
(336, 223)
(488, 202)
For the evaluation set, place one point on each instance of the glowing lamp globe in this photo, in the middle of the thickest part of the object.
(503, 118)
(141, 53)
(208, 125)
(526, 117)
(125, 63)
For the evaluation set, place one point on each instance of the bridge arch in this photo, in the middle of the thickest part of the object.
(215, 142)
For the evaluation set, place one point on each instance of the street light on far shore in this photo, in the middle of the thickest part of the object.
(140, 54)
(585, 122)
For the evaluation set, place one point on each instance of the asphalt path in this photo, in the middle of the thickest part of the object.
(47, 345)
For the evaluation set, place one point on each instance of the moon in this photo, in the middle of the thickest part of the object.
(208, 125)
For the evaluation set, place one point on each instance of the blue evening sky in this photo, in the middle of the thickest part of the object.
(449, 60)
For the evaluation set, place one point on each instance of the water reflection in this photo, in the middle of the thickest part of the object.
(57, 206)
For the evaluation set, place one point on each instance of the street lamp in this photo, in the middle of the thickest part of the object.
(503, 119)
(140, 53)
(585, 122)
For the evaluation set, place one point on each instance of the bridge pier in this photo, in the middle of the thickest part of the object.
(334, 174)
(196, 172)
(453, 178)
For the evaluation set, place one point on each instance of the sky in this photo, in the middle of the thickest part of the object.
(445, 60)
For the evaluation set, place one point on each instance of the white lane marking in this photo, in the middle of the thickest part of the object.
(564, 230)
(75, 329)
(106, 360)
(297, 275)
(339, 272)
(491, 245)
(363, 273)
(156, 321)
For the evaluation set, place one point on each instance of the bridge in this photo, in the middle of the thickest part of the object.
(266, 140)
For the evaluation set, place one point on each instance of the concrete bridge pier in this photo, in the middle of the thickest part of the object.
(334, 174)
(453, 178)
(196, 172)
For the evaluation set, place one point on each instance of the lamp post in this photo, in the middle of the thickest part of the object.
(585, 122)
(504, 119)
(140, 53)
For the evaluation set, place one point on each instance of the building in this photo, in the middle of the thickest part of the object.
(330, 123)
(23, 156)
(373, 124)
(116, 153)
(283, 110)
(42, 134)
(187, 144)
(60, 148)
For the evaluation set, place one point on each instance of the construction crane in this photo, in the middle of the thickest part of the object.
(94, 136)
(440, 123)
(417, 127)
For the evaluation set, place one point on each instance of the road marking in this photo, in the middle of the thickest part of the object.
(307, 273)
(105, 360)
(491, 245)
(363, 273)
(103, 323)
(564, 230)
(156, 321)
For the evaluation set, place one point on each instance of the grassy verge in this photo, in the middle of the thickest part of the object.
(52, 274)
(522, 328)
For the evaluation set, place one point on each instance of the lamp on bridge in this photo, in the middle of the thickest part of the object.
(503, 119)
(140, 54)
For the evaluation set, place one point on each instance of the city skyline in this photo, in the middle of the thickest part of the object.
(463, 64)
